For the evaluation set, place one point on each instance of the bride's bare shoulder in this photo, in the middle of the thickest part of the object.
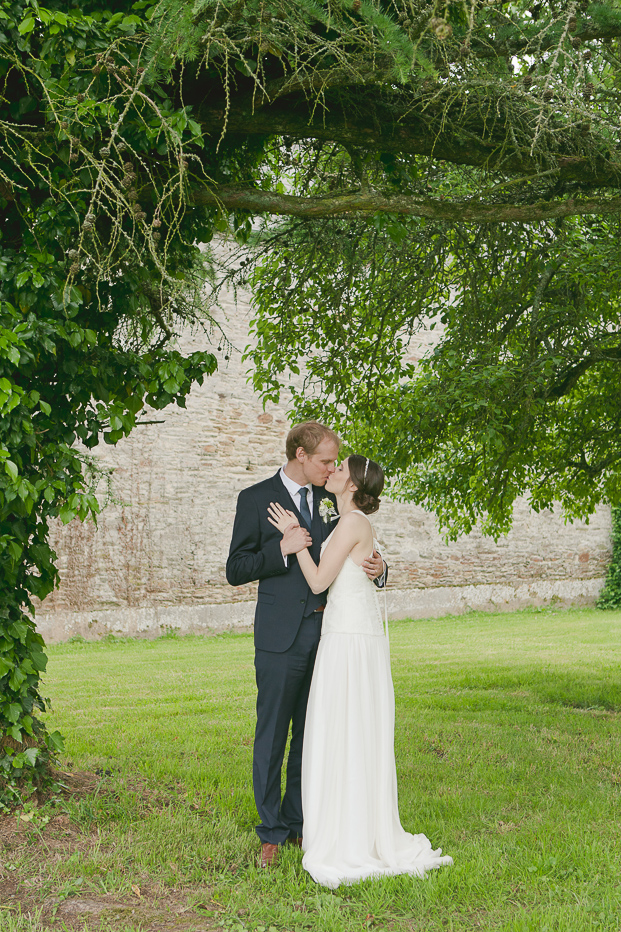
(352, 516)
(355, 522)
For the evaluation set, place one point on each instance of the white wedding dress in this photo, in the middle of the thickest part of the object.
(349, 781)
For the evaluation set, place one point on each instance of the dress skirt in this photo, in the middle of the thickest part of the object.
(349, 782)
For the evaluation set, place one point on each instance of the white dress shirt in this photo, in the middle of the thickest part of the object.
(293, 488)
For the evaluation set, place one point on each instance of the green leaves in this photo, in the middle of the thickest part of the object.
(55, 740)
(358, 36)
(26, 26)
(515, 393)
(19, 630)
(25, 758)
(67, 513)
(12, 711)
(16, 679)
(341, 302)
(10, 395)
(38, 660)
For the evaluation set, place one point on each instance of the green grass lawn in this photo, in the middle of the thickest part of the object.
(508, 747)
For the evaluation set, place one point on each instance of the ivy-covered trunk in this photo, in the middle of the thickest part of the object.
(89, 301)
(27, 496)
(59, 384)
(611, 593)
(25, 747)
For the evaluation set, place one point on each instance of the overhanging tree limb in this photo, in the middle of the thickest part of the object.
(417, 124)
(255, 200)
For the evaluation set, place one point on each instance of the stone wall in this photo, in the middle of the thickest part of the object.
(156, 560)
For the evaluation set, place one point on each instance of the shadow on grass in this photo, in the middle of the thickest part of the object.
(596, 692)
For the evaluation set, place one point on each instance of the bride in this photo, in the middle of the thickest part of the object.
(349, 780)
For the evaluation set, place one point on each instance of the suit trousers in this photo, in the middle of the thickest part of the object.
(283, 684)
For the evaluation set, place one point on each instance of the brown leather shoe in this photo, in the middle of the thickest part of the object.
(269, 855)
(297, 841)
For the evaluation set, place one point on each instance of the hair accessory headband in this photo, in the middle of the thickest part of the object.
(366, 469)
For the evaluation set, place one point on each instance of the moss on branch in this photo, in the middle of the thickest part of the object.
(237, 197)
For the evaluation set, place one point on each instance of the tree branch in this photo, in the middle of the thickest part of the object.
(571, 376)
(6, 191)
(257, 201)
(357, 73)
(587, 31)
(417, 124)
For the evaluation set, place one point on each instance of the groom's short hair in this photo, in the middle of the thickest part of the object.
(308, 436)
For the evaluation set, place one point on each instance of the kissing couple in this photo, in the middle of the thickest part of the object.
(322, 666)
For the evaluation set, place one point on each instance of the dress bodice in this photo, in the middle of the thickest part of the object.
(353, 605)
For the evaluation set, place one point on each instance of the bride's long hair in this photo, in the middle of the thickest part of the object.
(368, 477)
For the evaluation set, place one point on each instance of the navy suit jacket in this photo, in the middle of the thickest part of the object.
(284, 596)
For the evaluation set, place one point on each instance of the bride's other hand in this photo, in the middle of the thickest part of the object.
(294, 537)
(281, 518)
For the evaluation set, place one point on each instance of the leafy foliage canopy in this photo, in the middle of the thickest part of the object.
(519, 396)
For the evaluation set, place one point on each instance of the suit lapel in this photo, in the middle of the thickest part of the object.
(325, 527)
(316, 530)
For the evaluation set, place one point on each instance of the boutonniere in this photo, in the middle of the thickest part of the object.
(327, 510)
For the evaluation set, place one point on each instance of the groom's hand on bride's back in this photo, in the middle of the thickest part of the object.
(294, 539)
(374, 566)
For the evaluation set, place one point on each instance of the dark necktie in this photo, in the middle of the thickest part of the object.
(304, 509)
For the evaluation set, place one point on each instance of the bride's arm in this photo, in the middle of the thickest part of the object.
(319, 578)
(350, 531)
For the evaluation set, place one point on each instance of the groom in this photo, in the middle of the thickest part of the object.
(288, 617)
